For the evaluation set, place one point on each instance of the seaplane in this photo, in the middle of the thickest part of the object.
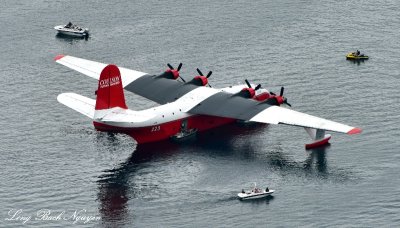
(186, 107)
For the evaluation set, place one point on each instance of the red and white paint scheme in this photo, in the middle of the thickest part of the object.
(184, 106)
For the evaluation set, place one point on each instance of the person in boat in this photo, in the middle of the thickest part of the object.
(357, 53)
(243, 191)
(68, 25)
(267, 190)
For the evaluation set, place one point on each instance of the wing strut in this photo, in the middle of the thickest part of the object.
(319, 137)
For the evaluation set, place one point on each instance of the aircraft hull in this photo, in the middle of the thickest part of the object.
(164, 131)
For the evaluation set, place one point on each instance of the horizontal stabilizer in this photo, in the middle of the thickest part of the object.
(81, 104)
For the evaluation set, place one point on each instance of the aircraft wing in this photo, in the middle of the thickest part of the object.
(233, 106)
(203, 100)
(93, 69)
(157, 89)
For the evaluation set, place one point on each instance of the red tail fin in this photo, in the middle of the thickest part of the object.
(110, 93)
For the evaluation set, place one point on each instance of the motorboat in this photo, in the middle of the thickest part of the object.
(72, 30)
(184, 135)
(255, 193)
(356, 56)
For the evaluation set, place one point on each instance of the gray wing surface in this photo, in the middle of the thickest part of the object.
(233, 106)
(229, 105)
(158, 89)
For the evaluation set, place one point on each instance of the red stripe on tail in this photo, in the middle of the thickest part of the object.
(110, 93)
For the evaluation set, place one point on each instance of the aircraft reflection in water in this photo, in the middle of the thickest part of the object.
(116, 187)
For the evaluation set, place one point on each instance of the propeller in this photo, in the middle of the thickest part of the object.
(249, 85)
(178, 69)
(284, 98)
(280, 99)
(285, 102)
(172, 68)
(247, 82)
(208, 75)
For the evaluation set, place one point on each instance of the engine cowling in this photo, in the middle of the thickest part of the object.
(172, 73)
(278, 100)
(247, 93)
(275, 100)
(201, 80)
(262, 96)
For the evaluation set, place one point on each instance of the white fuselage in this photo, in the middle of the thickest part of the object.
(161, 114)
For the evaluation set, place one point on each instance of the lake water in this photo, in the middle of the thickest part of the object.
(58, 171)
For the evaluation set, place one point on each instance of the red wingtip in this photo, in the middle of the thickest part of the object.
(58, 57)
(354, 131)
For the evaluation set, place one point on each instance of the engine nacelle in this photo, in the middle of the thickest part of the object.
(199, 80)
(275, 100)
(262, 96)
(247, 93)
(170, 74)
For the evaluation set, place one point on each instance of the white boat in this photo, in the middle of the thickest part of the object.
(255, 193)
(72, 30)
(184, 135)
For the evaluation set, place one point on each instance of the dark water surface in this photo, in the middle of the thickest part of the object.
(53, 159)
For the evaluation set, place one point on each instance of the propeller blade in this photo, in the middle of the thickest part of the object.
(247, 82)
(198, 70)
(170, 67)
(209, 74)
(182, 79)
(285, 101)
(257, 87)
(209, 85)
(272, 93)
(179, 67)
(282, 89)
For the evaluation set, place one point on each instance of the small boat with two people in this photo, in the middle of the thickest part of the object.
(72, 30)
(185, 133)
(356, 56)
(255, 193)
